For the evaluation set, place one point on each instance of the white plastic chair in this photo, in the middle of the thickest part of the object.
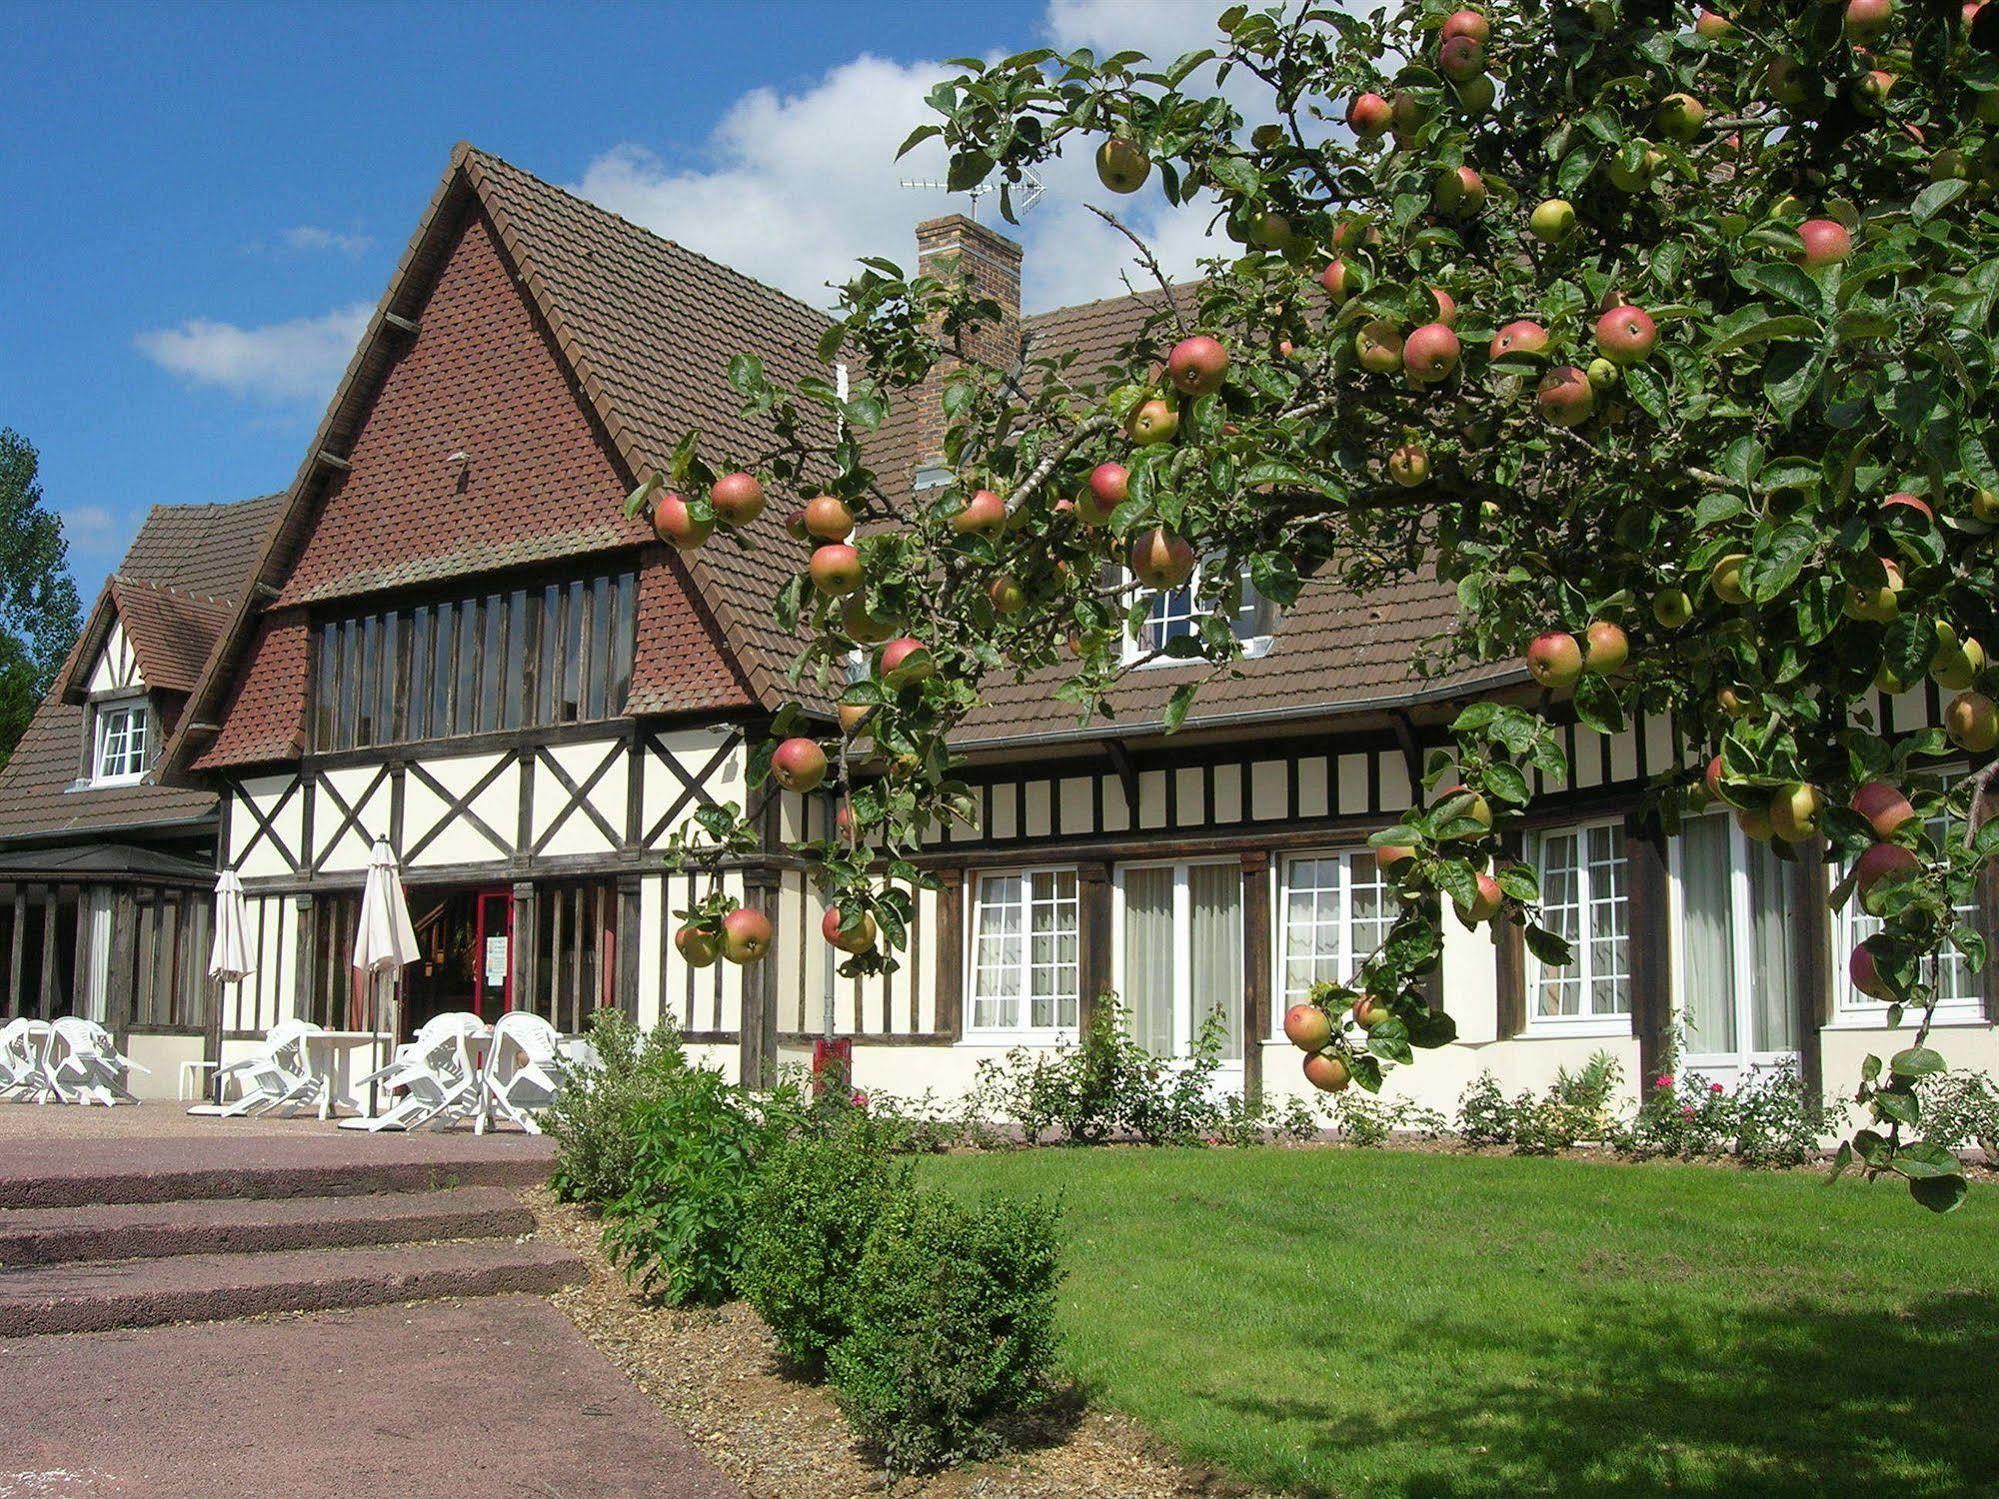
(85, 1066)
(24, 1055)
(439, 1079)
(527, 1066)
(278, 1075)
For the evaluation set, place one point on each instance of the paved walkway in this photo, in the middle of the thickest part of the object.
(499, 1396)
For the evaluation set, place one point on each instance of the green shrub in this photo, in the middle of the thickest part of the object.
(953, 1328)
(1484, 1115)
(1961, 1108)
(1769, 1120)
(1363, 1120)
(696, 1147)
(592, 1120)
(806, 1223)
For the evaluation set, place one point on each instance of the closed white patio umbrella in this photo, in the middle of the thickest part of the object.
(229, 954)
(384, 939)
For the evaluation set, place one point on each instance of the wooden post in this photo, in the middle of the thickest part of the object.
(628, 946)
(51, 901)
(1649, 903)
(1095, 937)
(1510, 960)
(524, 949)
(758, 1038)
(17, 952)
(1256, 998)
(121, 987)
(951, 953)
(305, 982)
(1811, 919)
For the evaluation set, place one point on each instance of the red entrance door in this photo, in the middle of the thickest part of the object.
(493, 954)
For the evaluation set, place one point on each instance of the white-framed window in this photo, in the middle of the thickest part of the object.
(1180, 957)
(1176, 614)
(1026, 968)
(1738, 971)
(1338, 908)
(1959, 999)
(1583, 899)
(119, 753)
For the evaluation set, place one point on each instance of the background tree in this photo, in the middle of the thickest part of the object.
(38, 603)
(1665, 334)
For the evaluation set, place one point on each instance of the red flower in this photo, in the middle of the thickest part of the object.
(1663, 1080)
(860, 1099)
(1714, 1087)
(1686, 1111)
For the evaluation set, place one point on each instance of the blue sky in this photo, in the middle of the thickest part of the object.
(202, 202)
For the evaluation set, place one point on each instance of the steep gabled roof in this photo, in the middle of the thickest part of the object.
(645, 328)
(176, 587)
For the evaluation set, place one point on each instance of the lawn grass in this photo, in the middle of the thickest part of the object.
(1349, 1322)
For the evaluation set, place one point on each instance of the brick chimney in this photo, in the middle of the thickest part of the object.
(956, 246)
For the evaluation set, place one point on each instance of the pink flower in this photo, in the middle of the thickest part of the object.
(1714, 1088)
(860, 1099)
(1663, 1080)
(1686, 1111)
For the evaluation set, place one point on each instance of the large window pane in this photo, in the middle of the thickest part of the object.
(1026, 951)
(1214, 897)
(1707, 965)
(1583, 901)
(1149, 977)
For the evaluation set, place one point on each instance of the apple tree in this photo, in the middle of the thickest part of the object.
(1667, 335)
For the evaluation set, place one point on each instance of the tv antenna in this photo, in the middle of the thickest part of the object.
(1022, 196)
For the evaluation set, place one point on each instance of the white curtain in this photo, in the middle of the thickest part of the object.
(1707, 951)
(97, 972)
(1215, 948)
(1773, 955)
(1148, 957)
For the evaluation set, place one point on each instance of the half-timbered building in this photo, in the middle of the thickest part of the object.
(447, 634)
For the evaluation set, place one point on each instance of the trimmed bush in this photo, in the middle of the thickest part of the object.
(1961, 1109)
(593, 1120)
(805, 1228)
(953, 1328)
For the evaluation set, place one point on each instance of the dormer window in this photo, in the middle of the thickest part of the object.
(118, 755)
(1177, 613)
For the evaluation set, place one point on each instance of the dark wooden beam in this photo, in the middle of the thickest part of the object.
(951, 953)
(400, 323)
(1127, 774)
(1649, 901)
(1095, 937)
(1811, 930)
(1256, 995)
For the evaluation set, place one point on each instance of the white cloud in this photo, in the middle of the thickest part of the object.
(92, 528)
(276, 363)
(1163, 29)
(310, 238)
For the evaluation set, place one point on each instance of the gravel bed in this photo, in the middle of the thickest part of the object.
(716, 1372)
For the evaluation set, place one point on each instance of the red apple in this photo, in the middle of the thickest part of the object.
(1522, 337)
(1794, 812)
(1161, 560)
(1430, 353)
(794, 526)
(828, 518)
(1006, 595)
(1462, 58)
(1565, 396)
(1486, 904)
(675, 524)
(1447, 307)
(1110, 484)
(1883, 805)
(1625, 335)
(1713, 778)
(1369, 116)
(1466, 23)
(1327, 1074)
(1605, 648)
(798, 764)
(835, 569)
(746, 935)
(1866, 20)
(1340, 281)
(1196, 365)
(1368, 1012)
(1388, 855)
(1555, 660)
(1755, 824)
(1712, 27)
(698, 947)
(910, 652)
(1880, 861)
(1461, 193)
(1308, 1027)
(1679, 117)
(1478, 809)
(857, 941)
(1826, 243)
(1904, 498)
(1866, 976)
(984, 514)
(738, 499)
(1725, 578)
(853, 716)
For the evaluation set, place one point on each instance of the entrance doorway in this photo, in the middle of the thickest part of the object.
(465, 941)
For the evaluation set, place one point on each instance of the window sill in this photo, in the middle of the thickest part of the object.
(1589, 1027)
(107, 783)
(1952, 1018)
(1044, 1036)
(1252, 650)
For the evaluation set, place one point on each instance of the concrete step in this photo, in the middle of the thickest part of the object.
(100, 1296)
(121, 1231)
(79, 1173)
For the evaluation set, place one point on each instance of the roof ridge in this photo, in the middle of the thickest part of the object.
(611, 213)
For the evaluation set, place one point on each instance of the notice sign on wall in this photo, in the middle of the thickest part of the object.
(496, 962)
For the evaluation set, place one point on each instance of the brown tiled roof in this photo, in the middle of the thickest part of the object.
(679, 665)
(265, 718)
(172, 633)
(177, 582)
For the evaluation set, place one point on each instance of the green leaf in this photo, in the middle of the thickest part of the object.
(1549, 948)
(1507, 783)
(1935, 198)
(1917, 1061)
(1786, 281)
(1925, 1158)
(968, 170)
(1178, 704)
(1765, 329)
(1597, 704)
(1940, 1194)
(1713, 509)
(1790, 376)
(1235, 173)
(1775, 564)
